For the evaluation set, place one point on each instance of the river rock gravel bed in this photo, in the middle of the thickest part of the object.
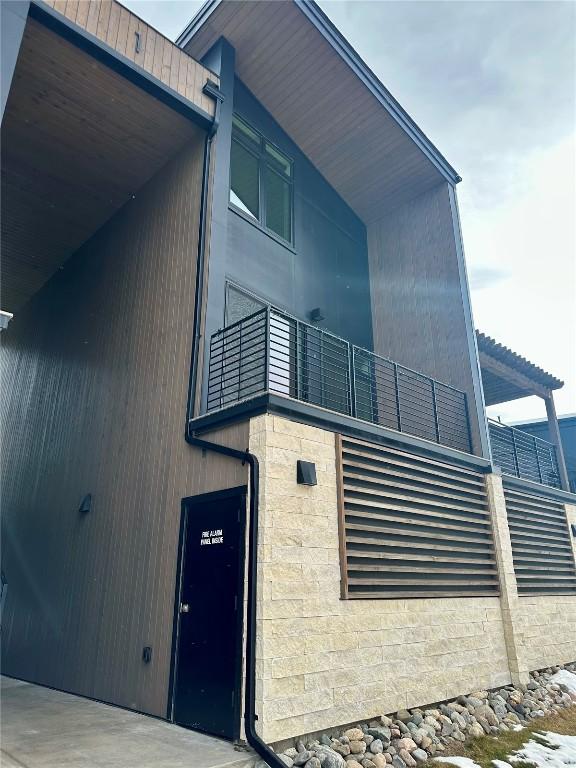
(410, 737)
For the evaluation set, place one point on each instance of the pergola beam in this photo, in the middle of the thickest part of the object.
(511, 376)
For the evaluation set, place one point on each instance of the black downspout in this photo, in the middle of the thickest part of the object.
(211, 90)
(262, 749)
(253, 739)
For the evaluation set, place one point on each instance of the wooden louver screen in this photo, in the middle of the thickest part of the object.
(411, 526)
(541, 546)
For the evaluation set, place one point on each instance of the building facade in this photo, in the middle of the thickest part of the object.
(246, 465)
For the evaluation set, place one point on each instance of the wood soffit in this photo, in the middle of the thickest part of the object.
(319, 100)
(78, 142)
(129, 37)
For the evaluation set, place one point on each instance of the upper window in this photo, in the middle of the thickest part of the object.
(261, 180)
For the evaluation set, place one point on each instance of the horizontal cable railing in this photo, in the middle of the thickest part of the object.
(523, 455)
(270, 351)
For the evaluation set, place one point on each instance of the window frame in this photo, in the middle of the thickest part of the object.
(265, 161)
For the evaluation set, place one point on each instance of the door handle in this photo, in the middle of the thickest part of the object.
(184, 608)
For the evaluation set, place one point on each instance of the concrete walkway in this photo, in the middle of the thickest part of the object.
(42, 728)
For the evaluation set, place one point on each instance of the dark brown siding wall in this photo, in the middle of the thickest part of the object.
(418, 312)
(95, 375)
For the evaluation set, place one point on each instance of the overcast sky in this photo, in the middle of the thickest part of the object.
(493, 84)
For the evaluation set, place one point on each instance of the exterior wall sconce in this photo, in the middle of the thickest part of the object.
(5, 318)
(316, 315)
(306, 473)
(573, 526)
(86, 504)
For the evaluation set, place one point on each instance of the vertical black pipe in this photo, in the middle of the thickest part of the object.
(201, 255)
(253, 739)
(262, 749)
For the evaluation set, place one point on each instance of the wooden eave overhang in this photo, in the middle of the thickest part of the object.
(114, 35)
(88, 121)
(507, 375)
(326, 98)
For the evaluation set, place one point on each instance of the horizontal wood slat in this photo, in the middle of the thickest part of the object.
(541, 546)
(411, 526)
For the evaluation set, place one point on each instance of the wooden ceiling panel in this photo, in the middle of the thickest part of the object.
(321, 104)
(78, 142)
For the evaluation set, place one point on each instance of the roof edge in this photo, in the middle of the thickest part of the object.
(116, 61)
(345, 50)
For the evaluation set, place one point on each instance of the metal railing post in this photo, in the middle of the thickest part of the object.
(397, 393)
(515, 452)
(267, 334)
(468, 430)
(239, 396)
(436, 426)
(297, 357)
(220, 395)
(537, 458)
(554, 463)
(352, 409)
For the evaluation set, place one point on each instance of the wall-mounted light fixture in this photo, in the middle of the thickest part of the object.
(147, 654)
(85, 504)
(316, 315)
(573, 526)
(5, 318)
(306, 473)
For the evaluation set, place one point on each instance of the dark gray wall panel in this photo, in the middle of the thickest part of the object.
(329, 265)
(326, 268)
(94, 387)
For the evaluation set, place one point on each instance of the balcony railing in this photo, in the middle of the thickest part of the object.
(522, 455)
(270, 351)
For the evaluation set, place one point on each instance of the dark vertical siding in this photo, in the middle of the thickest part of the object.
(418, 312)
(95, 375)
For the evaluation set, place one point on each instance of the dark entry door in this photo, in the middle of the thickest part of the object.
(208, 655)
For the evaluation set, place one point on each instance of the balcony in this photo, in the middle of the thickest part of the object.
(508, 376)
(272, 352)
(524, 456)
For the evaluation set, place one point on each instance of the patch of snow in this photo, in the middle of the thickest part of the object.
(558, 752)
(460, 762)
(516, 727)
(566, 678)
(501, 764)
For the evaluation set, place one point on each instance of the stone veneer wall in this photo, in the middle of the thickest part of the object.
(547, 625)
(323, 661)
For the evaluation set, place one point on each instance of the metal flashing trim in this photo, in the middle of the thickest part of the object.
(536, 489)
(120, 64)
(334, 422)
(347, 53)
(479, 402)
(197, 21)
